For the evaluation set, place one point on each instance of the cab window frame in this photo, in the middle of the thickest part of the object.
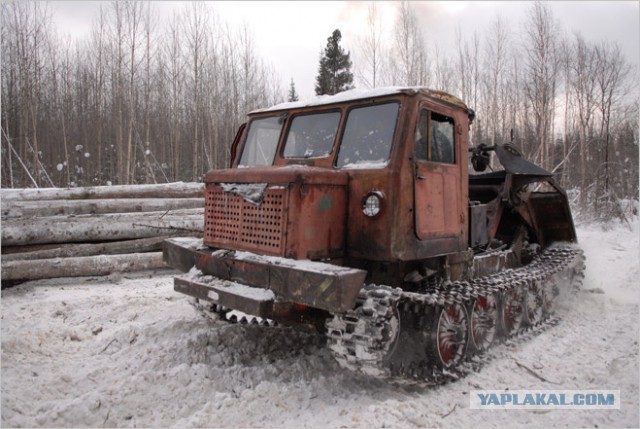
(345, 123)
(428, 154)
(247, 133)
(287, 131)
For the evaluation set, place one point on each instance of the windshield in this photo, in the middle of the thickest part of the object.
(367, 138)
(312, 136)
(262, 142)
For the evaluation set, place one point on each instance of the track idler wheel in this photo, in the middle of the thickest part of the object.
(450, 337)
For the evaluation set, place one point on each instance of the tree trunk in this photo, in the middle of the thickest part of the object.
(165, 190)
(72, 229)
(36, 208)
(81, 266)
(152, 244)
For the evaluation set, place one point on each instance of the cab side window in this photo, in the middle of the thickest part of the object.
(434, 138)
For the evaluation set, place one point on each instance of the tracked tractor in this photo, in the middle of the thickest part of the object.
(369, 216)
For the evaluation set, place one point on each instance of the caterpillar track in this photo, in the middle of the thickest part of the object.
(218, 312)
(436, 336)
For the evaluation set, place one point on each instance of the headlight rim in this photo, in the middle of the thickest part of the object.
(367, 209)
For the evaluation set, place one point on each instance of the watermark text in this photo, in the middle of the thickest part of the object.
(545, 399)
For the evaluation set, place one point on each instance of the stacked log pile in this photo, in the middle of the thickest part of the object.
(53, 232)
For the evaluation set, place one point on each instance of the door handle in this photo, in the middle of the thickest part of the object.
(421, 178)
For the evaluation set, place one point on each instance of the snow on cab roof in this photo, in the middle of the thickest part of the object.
(358, 94)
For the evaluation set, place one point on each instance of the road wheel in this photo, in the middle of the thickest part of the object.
(451, 335)
(484, 322)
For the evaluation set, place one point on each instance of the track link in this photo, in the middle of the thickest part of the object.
(217, 312)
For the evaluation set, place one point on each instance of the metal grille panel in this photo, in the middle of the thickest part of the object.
(233, 223)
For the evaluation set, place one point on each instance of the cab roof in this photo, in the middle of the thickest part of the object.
(360, 94)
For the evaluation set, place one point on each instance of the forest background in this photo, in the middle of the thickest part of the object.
(149, 100)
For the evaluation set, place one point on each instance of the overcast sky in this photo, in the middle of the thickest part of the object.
(290, 35)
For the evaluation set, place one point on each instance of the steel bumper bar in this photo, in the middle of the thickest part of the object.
(315, 284)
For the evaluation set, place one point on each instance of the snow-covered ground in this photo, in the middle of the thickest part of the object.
(128, 351)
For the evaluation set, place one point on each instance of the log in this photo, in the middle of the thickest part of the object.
(12, 209)
(79, 267)
(96, 228)
(8, 250)
(141, 245)
(165, 190)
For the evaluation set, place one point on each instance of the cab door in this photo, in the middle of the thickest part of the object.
(436, 177)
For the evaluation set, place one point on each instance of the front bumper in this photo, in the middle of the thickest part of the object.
(257, 284)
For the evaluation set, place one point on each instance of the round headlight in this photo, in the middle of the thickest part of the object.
(372, 203)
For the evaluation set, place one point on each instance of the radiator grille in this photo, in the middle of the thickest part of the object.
(233, 223)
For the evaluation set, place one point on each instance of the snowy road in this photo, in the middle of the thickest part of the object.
(128, 351)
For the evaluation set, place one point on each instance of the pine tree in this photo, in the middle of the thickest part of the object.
(293, 95)
(334, 72)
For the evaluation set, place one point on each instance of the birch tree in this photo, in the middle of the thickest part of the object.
(409, 60)
(371, 48)
(541, 65)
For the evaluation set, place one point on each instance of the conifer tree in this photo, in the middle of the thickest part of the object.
(293, 95)
(334, 72)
